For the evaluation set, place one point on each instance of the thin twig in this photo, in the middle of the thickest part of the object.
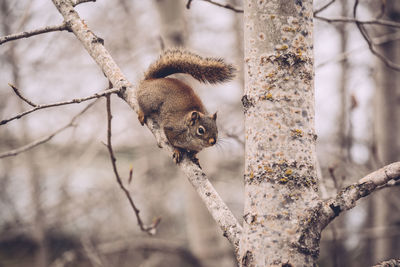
(77, 2)
(18, 93)
(227, 6)
(148, 229)
(73, 101)
(16, 36)
(371, 46)
(380, 22)
(45, 139)
(323, 7)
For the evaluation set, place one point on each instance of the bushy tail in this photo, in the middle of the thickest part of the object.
(212, 70)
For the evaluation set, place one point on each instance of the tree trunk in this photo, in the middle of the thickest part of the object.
(280, 175)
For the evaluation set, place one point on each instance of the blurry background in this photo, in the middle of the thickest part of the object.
(60, 204)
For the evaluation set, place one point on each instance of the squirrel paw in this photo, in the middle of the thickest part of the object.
(194, 159)
(177, 156)
(141, 117)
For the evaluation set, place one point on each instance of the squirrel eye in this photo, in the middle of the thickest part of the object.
(201, 130)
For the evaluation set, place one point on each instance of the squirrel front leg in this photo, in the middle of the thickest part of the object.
(173, 134)
(141, 117)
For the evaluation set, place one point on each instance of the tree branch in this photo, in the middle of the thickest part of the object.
(151, 229)
(73, 101)
(46, 138)
(16, 36)
(218, 209)
(380, 22)
(347, 197)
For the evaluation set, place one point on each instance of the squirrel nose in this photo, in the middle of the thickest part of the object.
(211, 141)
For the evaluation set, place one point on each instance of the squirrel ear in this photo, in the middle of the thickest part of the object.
(214, 116)
(194, 115)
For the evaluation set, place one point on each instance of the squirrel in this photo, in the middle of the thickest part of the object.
(175, 106)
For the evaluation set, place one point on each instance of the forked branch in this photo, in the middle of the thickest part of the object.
(38, 107)
(45, 139)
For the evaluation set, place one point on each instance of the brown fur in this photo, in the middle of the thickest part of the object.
(175, 106)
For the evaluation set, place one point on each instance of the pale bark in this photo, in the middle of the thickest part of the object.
(347, 197)
(280, 175)
(94, 45)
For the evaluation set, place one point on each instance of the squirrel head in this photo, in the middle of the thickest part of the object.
(203, 130)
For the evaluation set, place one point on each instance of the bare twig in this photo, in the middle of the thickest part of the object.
(380, 22)
(151, 229)
(227, 6)
(361, 26)
(46, 138)
(77, 2)
(73, 101)
(346, 198)
(18, 93)
(16, 36)
(371, 46)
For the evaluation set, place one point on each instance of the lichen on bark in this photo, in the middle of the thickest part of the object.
(280, 177)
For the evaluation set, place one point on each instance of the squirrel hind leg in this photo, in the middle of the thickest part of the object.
(177, 155)
(192, 155)
(141, 117)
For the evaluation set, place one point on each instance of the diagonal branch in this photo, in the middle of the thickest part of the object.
(19, 94)
(227, 6)
(73, 101)
(218, 209)
(346, 198)
(46, 138)
(148, 229)
(78, 2)
(371, 45)
(16, 36)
